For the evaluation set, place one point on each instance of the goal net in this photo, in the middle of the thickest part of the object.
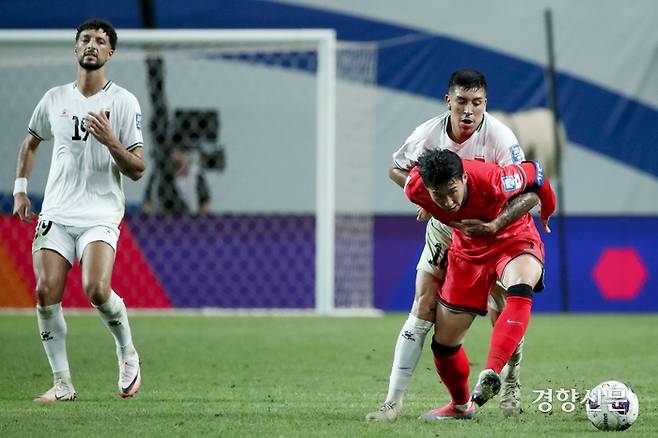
(258, 192)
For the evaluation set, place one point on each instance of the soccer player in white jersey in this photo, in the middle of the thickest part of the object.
(468, 130)
(95, 126)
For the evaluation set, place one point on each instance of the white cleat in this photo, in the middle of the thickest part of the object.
(388, 412)
(130, 376)
(510, 398)
(61, 391)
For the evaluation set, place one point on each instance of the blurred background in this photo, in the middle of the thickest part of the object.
(225, 217)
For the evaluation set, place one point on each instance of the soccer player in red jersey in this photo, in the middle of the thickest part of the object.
(456, 192)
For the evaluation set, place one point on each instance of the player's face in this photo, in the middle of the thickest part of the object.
(451, 195)
(93, 49)
(467, 108)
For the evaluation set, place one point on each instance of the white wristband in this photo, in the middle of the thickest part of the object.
(20, 185)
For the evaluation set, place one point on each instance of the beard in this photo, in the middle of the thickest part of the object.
(90, 66)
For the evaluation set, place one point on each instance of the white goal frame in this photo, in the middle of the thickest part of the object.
(324, 40)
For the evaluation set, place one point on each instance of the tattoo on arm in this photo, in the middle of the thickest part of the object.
(516, 207)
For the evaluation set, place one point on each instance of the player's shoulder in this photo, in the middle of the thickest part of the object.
(496, 127)
(118, 92)
(478, 165)
(481, 170)
(59, 90)
(115, 89)
(432, 125)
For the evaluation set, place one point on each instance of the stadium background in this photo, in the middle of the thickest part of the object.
(608, 97)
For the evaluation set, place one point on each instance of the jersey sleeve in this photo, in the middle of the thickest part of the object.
(508, 181)
(416, 191)
(511, 180)
(419, 142)
(39, 125)
(407, 156)
(130, 130)
(508, 150)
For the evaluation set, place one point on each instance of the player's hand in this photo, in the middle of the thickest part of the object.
(23, 208)
(475, 227)
(99, 126)
(422, 215)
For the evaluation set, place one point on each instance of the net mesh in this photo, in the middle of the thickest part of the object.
(225, 216)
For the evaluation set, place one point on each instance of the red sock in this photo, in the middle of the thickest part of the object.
(508, 331)
(453, 368)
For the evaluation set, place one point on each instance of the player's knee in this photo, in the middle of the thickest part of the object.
(425, 305)
(97, 291)
(45, 293)
(519, 290)
(444, 350)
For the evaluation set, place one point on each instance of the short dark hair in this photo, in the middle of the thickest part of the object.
(439, 167)
(467, 79)
(98, 23)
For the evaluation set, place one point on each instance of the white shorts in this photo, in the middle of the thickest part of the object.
(438, 238)
(434, 259)
(71, 242)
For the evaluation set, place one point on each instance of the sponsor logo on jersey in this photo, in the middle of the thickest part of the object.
(511, 182)
(516, 153)
(138, 121)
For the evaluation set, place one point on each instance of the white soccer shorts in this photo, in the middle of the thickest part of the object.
(71, 242)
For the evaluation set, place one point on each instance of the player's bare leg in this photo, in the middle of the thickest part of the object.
(510, 394)
(452, 364)
(409, 346)
(97, 265)
(519, 278)
(50, 271)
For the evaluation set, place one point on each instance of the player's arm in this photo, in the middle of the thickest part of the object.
(537, 182)
(515, 209)
(130, 162)
(26, 156)
(400, 177)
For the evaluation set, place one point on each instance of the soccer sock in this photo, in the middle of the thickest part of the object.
(408, 350)
(517, 355)
(114, 314)
(512, 368)
(452, 365)
(52, 328)
(510, 327)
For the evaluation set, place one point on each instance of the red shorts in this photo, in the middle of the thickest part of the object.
(467, 283)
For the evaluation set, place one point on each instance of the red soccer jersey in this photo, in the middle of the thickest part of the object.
(489, 187)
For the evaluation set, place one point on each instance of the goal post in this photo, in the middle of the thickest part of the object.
(304, 59)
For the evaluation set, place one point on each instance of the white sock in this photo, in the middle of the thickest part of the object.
(114, 314)
(52, 329)
(408, 350)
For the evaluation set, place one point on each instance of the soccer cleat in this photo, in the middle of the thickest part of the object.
(487, 386)
(450, 411)
(510, 398)
(61, 391)
(130, 376)
(388, 412)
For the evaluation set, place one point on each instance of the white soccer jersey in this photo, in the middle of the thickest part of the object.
(84, 185)
(492, 142)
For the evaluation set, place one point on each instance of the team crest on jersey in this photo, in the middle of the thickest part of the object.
(138, 121)
(511, 182)
(516, 153)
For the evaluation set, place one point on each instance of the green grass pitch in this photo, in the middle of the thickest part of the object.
(308, 377)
